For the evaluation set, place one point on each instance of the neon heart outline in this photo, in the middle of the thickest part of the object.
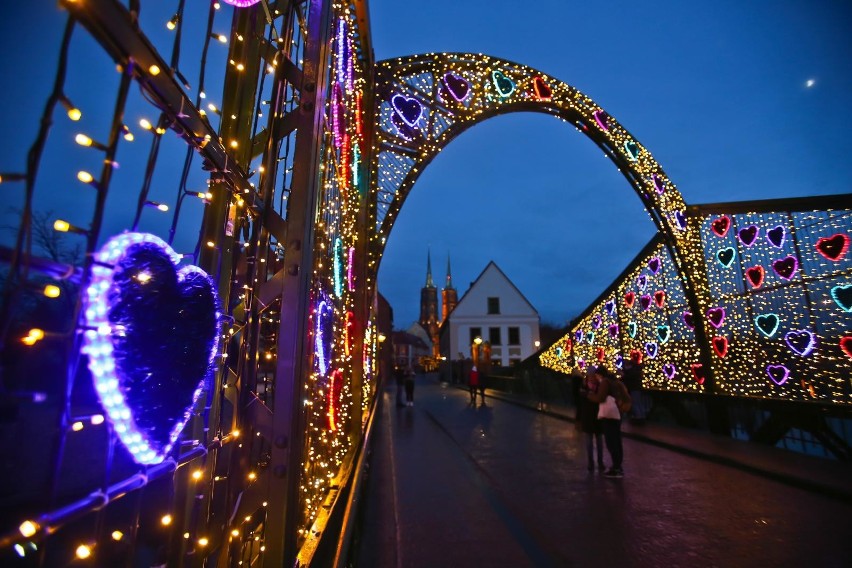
(460, 81)
(659, 185)
(669, 370)
(652, 349)
(632, 328)
(660, 298)
(632, 150)
(770, 370)
(688, 321)
(542, 90)
(641, 282)
(783, 263)
(579, 335)
(602, 118)
(663, 333)
(400, 104)
(758, 280)
(720, 345)
(746, 237)
(836, 291)
(596, 321)
(791, 337)
(846, 345)
(98, 345)
(590, 337)
(719, 254)
(770, 330)
(619, 361)
(613, 330)
(777, 242)
(600, 353)
(629, 298)
(824, 242)
(654, 264)
(496, 77)
(645, 302)
(714, 314)
(715, 225)
(680, 220)
(698, 373)
(610, 307)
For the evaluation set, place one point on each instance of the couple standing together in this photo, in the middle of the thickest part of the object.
(599, 395)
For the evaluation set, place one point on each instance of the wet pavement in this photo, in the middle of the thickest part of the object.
(452, 484)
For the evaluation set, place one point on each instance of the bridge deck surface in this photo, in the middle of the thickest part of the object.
(452, 484)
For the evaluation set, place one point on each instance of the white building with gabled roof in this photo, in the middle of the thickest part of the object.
(494, 310)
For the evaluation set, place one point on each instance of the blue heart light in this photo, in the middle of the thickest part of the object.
(651, 349)
(725, 256)
(842, 295)
(503, 84)
(152, 337)
(800, 341)
(409, 109)
(767, 324)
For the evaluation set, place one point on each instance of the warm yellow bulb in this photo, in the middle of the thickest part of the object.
(84, 176)
(98, 419)
(234, 143)
(117, 535)
(166, 520)
(74, 114)
(222, 38)
(203, 541)
(162, 207)
(83, 551)
(128, 136)
(211, 106)
(240, 66)
(83, 140)
(235, 433)
(170, 25)
(144, 123)
(28, 528)
(235, 532)
(252, 476)
(77, 426)
(154, 70)
(36, 333)
(197, 474)
(52, 291)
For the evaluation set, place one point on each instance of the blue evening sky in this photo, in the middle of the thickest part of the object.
(715, 90)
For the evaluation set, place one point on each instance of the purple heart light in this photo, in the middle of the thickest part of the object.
(778, 373)
(152, 335)
(409, 109)
(800, 341)
(457, 86)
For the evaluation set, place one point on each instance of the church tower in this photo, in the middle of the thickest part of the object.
(449, 295)
(429, 307)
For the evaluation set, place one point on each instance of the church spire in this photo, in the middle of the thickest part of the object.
(449, 274)
(429, 282)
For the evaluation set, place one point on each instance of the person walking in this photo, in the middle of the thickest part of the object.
(610, 389)
(473, 383)
(409, 386)
(587, 418)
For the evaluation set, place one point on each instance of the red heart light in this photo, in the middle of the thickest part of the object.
(636, 355)
(629, 298)
(720, 345)
(834, 247)
(721, 225)
(600, 354)
(542, 89)
(660, 298)
(846, 345)
(755, 276)
(698, 373)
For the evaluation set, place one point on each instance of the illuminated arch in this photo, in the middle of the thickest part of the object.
(422, 102)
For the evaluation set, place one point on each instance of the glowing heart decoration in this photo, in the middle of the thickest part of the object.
(632, 150)
(776, 236)
(636, 356)
(659, 186)
(641, 282)
(600, 354)
(578, 335)
(846, 345)
(720, 345)
(767, 324)
(503, 84)
(786, 267)
(754, 275)
(698, 373)
(688, 321)
(778, 373)
(619, 361)
(680, 220)
(654, 265)
(456, 86)
(716, 317)
(613, 330)
(629, 298)
(842, 295)
(800, 341)
(241, 3)
(581, 363)
(569, 344)
(663, 333)
(602, 118)
(541, 89)
(834, 247)
(748, 235)
(645, 301)
(323, 334)
(725, 256)
(590, 337)
(651, 349)
(669, 370)
(408, 109)
(720, 225)
(660, 298)
(632, 328)
(610, 307)
(596, 321)
(152, 334)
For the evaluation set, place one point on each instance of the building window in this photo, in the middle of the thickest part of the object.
(474, 333)
(493, 306)
(494, 335)
(514, 336)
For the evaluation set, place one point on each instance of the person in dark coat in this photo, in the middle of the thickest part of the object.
(587, 418)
